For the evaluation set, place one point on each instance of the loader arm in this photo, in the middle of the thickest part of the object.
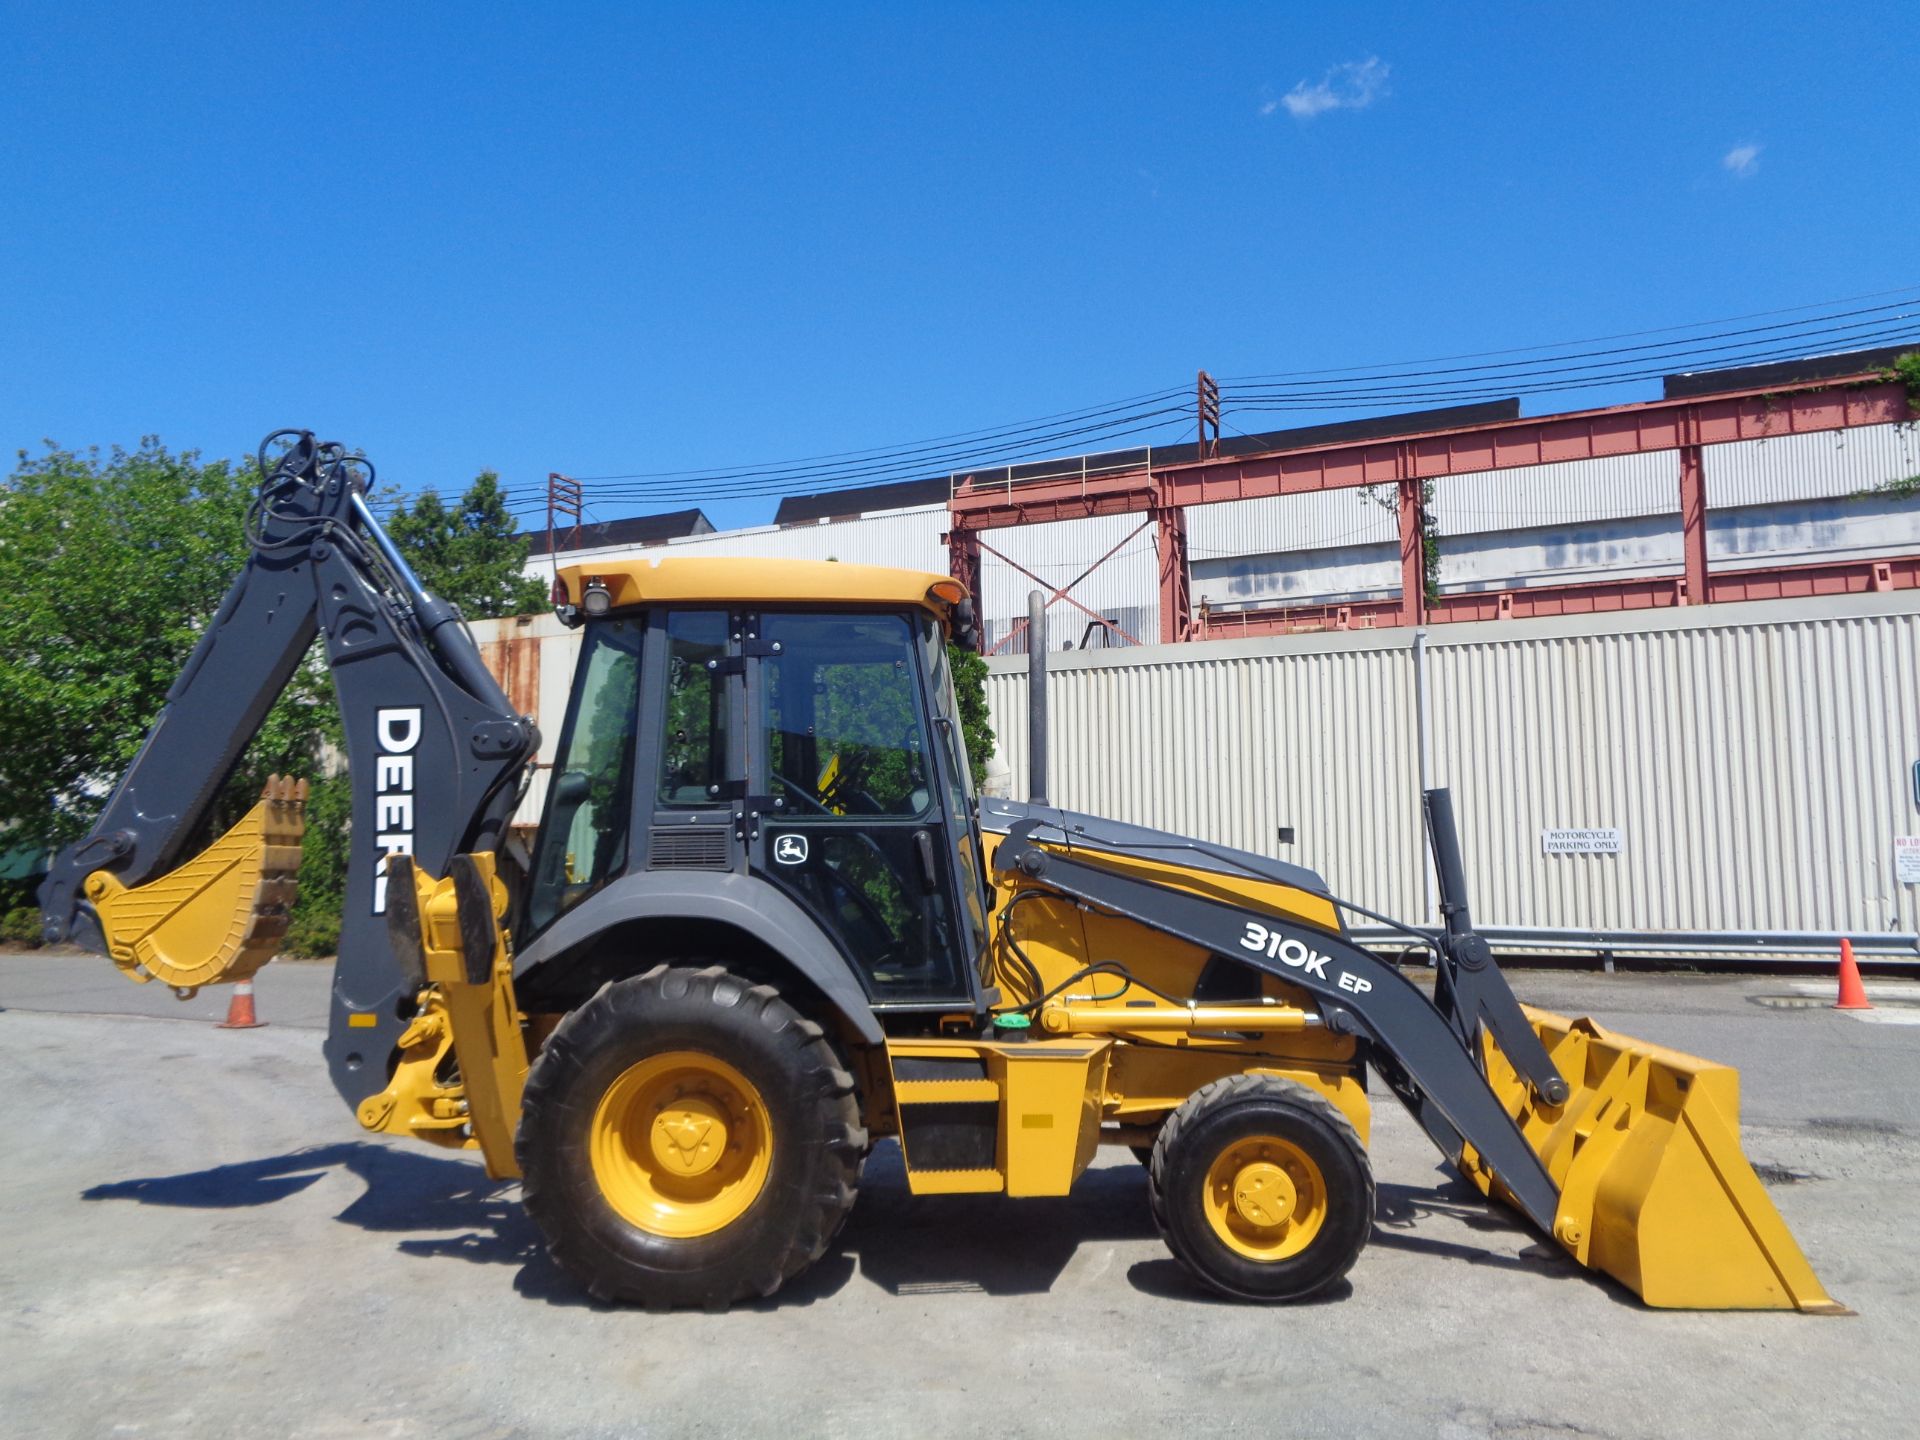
(434, 749)
(1627, 1155)
(1432, 1068)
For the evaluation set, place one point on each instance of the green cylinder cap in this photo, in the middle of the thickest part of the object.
(1013, 1020)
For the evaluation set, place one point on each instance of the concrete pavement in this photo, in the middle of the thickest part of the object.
(201, 1241)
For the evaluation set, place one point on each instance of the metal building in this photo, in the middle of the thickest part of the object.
(1739, 484)
(1594, 657)
(1741, 767)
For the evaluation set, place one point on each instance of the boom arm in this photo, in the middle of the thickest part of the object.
(433, 746)
(1427, 1049)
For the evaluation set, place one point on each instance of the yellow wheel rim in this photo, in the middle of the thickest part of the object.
(681, 1144)
(1265, 1198)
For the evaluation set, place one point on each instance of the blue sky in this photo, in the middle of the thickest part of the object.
(607, 239)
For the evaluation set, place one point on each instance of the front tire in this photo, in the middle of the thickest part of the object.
(1262, 1189)
(687, 1138)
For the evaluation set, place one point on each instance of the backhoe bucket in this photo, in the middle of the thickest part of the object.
(1654, 1188)
(219, 916)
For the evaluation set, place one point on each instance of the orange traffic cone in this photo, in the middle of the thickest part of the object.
(240, 1014)
(1853, 995)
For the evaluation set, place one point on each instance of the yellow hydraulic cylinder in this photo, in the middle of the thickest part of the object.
(1070, 1019)
(468, 1009)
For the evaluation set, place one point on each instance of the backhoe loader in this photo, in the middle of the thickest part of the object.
(765, 923)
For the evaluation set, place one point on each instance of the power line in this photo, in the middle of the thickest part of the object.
(988, 457)
(1669, 362)
(1590, 340)
(787, 467)
(1361, 399)
(1552, 368)
(983, 465)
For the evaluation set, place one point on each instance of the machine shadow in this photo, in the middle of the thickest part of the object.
(447, 1208)
(984, 1244)
(406, 1191)
(1400, 1209)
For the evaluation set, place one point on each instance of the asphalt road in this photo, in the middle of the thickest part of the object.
(200, 1241)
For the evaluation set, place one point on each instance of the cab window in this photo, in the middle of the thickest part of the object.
(693, 749)
(583, 834)
(844, 734)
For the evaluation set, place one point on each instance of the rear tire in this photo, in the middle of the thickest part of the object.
(1262, 1189)
(687, 1138)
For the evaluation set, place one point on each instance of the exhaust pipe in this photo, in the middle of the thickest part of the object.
(1037, 697)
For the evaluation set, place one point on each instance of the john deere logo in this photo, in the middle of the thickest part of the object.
(790, 849)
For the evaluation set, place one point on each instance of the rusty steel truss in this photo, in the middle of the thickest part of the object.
(1405, 463)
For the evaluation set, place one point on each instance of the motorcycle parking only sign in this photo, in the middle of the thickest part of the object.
(1599, 840)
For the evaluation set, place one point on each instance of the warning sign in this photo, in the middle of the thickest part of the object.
(1601, 840)
(1906, 859)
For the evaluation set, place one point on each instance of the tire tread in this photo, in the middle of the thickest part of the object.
(834, 1126)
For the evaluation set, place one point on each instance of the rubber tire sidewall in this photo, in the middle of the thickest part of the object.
(1186, 1151)
(712, 1013)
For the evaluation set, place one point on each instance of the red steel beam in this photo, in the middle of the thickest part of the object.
(1176, 602)
(1833, 404)
(991, 507)
(963, 561)
(1413, 554)
(1693, 522)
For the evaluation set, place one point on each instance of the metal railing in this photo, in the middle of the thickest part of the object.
(1734, 946)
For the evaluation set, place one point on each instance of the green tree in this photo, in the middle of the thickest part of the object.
(471, 554)
(113, 564)
(970, 698)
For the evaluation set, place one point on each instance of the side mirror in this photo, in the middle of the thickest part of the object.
(570, 789)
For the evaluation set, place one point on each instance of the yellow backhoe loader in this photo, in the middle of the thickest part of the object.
(766, 923)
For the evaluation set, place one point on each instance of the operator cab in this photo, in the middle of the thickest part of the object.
(789, 721)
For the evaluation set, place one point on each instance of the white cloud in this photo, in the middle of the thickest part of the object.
(1742, 160)
(1352, 86)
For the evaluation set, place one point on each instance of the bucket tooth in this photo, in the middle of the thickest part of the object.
(219, 916)
(1654, 1187)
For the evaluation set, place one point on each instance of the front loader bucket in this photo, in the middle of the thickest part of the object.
(1654, 1187)
(219, 916)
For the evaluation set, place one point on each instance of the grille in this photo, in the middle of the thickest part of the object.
(694, 847)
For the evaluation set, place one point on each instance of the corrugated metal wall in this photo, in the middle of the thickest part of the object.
(1756, 758)
(1799, 467)
(1292, 548)
(907, 538)
(1569, 493)
(1230, 741)
(1125, 586)
(1310, 520)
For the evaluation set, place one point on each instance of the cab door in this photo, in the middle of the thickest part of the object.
(852, 802)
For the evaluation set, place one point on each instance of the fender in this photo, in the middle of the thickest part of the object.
(729, 898)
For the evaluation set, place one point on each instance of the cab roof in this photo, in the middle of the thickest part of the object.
(716, 580)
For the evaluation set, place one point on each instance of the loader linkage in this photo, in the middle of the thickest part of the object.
(1420, 1044)
(1628, 1158)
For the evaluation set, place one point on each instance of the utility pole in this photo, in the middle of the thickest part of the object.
(1207, 410)
(566, 499)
